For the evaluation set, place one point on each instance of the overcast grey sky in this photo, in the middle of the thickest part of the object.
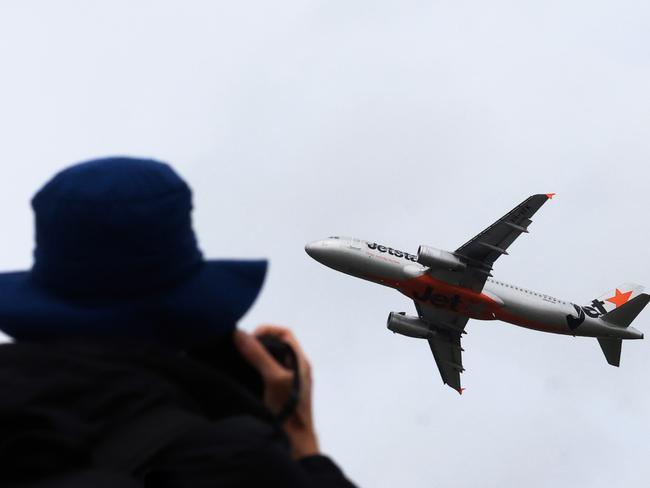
(405, 122)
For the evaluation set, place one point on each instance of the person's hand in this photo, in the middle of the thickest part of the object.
(277, 380)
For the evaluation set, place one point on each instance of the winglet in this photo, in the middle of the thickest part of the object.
(550, 195)
(460, 390)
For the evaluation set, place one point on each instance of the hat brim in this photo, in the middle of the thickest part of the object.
(207, 304)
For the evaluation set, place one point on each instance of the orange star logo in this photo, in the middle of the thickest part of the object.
(620, 298)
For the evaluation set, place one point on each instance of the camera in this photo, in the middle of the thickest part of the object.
(284, 354)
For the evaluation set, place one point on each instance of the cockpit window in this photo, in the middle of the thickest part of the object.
(333, 237)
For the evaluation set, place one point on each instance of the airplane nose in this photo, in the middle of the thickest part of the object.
(312, 248)
(317, 250)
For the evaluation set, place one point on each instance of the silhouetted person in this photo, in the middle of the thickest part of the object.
(127, 368)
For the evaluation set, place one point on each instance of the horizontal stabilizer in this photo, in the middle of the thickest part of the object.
(626, 313)
(611, 349)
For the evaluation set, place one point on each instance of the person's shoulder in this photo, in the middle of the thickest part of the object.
(237, 433)
(241, 450)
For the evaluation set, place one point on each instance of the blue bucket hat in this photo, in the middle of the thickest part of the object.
(116, 257)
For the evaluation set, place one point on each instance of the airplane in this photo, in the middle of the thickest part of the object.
(449, 288)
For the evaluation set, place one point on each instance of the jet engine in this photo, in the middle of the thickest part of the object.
(401, 323)
(437, 258)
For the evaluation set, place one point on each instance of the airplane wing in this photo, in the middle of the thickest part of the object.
(482, 251)
(447, 328)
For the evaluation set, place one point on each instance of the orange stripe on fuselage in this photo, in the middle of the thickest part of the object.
(431, 291)
(470, 303)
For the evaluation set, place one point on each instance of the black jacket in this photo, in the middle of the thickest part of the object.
(59, 402)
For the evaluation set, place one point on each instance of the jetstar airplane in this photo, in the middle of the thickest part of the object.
(449, 288)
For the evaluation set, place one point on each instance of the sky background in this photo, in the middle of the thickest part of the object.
(403, 122)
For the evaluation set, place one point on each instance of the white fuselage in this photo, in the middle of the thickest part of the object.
(441, 288)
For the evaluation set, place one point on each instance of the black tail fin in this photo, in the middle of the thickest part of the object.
(626, 313)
